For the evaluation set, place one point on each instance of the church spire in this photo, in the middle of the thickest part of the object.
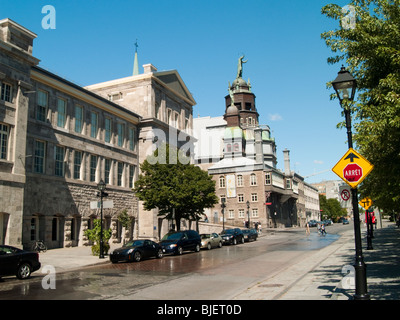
(136, 63)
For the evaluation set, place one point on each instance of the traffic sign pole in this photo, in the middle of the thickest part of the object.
(359, 266)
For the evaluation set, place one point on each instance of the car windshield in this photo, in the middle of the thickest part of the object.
(205, 236)
(228, 231)
(134, 243)
(172, 236)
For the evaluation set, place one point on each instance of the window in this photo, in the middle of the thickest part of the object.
(288, 184)
(54, 229)
(169, 114)
(241, 197)
(223, 198)
(107, 171)
(93, 167)
(231, 214)
(6, 92)
(93, 122)
(107, 124)
(254, 212)
(254, 197)
(3, 141)
(77, 164)
(222, 182)
(131, 139)
(228, 147)
(240, 180)
(34, 229)
(78, 119)
(120, 129)
(39, 156)
(253, 180)
(267, 178)
(131, 176)
(120, 172)
(59, 161)
(61, 113)
(236, 147)
(41, 111)
(241, 213)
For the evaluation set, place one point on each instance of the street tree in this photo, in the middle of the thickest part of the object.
(178, 189)
(367, 40)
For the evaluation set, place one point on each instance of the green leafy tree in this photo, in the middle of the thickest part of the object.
(331, 208)
(94, 236)
(178, 189)
(370, 47)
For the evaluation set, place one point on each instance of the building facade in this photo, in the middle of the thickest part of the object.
(58, 140)
(240, 154)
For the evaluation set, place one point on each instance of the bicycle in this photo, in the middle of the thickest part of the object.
(39, 246)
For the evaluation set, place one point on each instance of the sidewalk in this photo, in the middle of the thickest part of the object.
(319, 277)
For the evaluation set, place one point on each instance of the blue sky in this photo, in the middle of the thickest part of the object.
(94, 42)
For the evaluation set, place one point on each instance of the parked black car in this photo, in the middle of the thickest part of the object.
(178, 241)
(250, 234)
(14, 261)
(232, 236)
(137, 250)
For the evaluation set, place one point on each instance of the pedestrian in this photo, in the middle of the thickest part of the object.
(259, 227)
(307, 229)
(323, 232)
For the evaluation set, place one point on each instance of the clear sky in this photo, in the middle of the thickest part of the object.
(93, 41)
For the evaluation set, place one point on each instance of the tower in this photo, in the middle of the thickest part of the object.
(136, 62)
(240, 103)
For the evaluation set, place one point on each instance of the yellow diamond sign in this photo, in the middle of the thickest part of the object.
(366, 203)
(353, 168)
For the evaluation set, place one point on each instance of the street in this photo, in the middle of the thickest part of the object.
(217, 274)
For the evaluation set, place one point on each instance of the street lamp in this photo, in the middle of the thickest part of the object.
(101, 187)
(223, 206)
(248, 213)
(345, 86)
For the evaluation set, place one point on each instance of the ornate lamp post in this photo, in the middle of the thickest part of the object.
(345, 86)
(248, 213)
(223, 206)
(101, 187)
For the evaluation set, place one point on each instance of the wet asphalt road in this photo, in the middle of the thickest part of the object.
(216, 274)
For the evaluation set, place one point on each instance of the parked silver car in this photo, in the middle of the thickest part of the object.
(210, 240)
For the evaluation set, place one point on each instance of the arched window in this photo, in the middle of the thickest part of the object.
(222, 182)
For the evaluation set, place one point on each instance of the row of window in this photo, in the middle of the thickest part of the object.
(121, 139)
(241, 198)
(242, 213)
(77, 172)
(253, 180)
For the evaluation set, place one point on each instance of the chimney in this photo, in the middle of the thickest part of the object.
(258, 145)
(149, 68)
(286, 160)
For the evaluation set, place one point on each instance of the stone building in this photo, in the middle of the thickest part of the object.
(240, 154)
(58, 140)
(166, 107)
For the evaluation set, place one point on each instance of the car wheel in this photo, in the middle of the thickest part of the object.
(179, 250)
(159, 254)
(24, 271)
(209, 246)
(137, 256)
(234, 241)
(197, 248)
(242, 240)
(220, 244)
